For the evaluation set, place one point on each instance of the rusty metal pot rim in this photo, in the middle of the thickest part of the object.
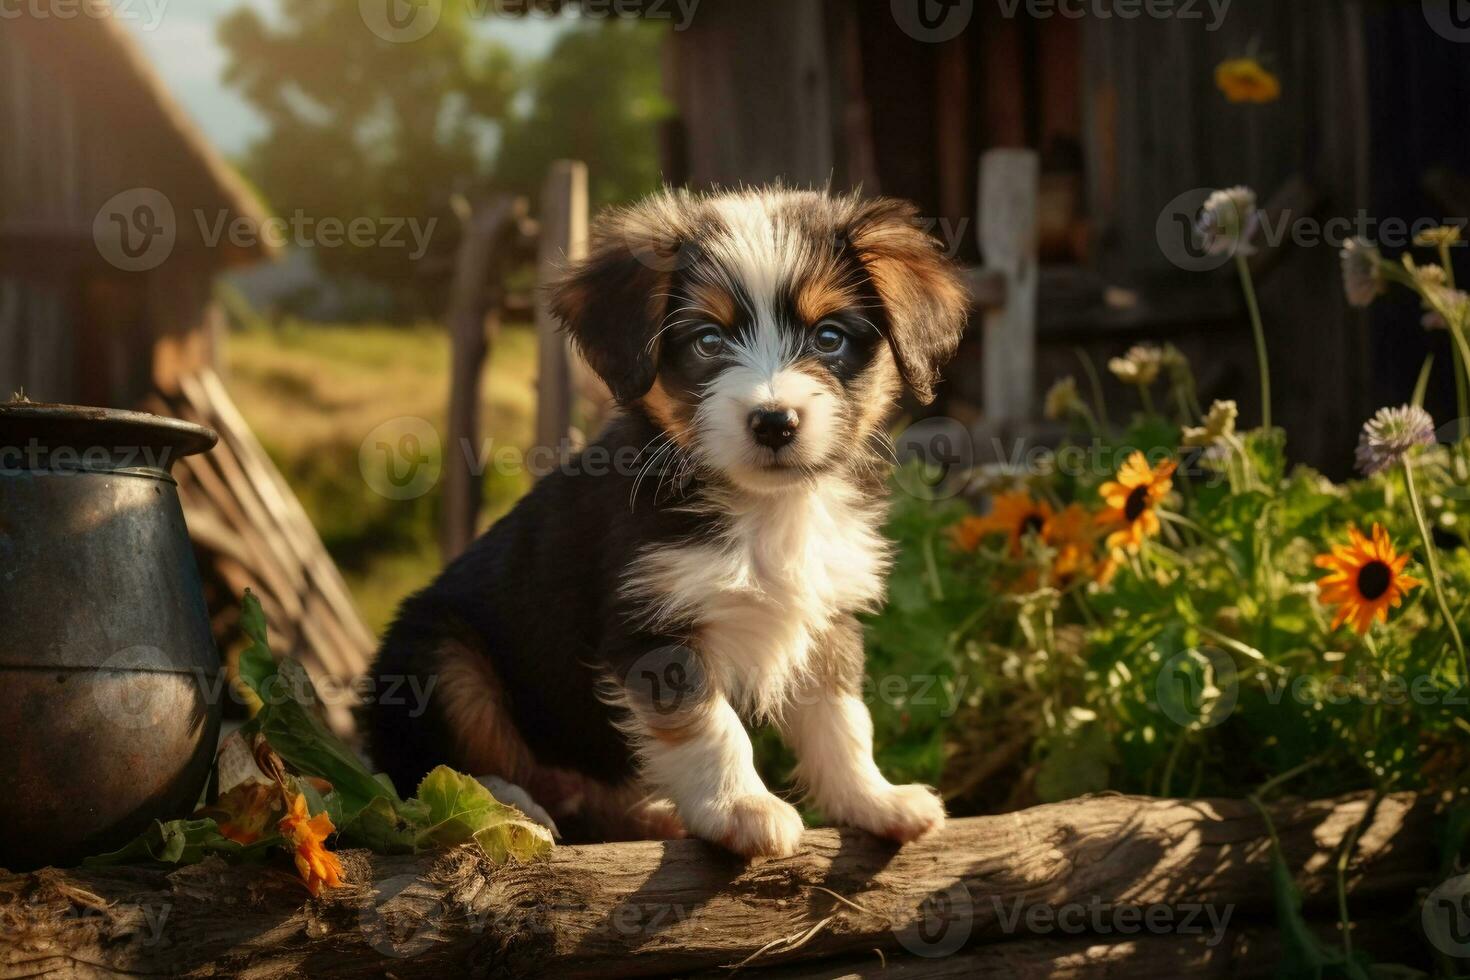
(129, 440)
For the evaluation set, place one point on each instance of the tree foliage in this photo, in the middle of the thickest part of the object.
(360, 127)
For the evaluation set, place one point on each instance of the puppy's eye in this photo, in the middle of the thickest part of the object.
(709, 342)
(829, 338)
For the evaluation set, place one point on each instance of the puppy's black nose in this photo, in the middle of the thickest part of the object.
(773, 428)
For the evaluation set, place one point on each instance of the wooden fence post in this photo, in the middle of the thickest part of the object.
(563, 240)
(1009, 181)
(474, 296)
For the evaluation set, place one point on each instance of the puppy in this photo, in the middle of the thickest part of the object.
(700, 564)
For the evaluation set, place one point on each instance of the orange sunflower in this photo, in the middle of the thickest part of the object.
(319, 867)
(1367, 578)
(1013, 514)
(1131, 499)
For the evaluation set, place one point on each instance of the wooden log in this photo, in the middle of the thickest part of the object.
(1241, 950)
(563, 240)
(660, 908)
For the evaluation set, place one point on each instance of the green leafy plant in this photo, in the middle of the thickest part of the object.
(361, 807)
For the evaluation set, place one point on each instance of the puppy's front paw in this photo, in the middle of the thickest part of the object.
(915, 811)
(758, 825)
(901, 813)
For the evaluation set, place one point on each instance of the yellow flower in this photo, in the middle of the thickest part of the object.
(1246, 80)
(319, 867)
(1131, 499)
(1367, 578)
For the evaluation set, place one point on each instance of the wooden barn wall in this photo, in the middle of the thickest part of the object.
(752, 84)
(1157, 127)
(72, 326)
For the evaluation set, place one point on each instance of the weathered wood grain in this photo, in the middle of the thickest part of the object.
(645, 909)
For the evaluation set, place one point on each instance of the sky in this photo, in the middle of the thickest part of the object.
(178, 36)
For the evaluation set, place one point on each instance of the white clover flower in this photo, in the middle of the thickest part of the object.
(1362, 279)
(1389, 435)
(1227, 221)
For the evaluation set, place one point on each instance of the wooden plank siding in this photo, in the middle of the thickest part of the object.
(1157, 127)
(88, 121)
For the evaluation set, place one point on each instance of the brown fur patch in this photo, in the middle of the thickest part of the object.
(488, 744)
(823, 294)
(667, 412)
(927, 301)
(473, 702)
(712, 301)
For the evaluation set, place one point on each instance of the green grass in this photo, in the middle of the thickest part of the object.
(313, 392)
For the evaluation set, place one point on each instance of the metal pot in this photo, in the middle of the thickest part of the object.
(110, 683)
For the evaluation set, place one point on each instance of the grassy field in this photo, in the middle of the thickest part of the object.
(313, 393)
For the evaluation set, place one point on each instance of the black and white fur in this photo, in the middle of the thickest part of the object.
(756, 343)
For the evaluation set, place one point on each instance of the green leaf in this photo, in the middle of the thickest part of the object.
(289, 722)
(460, 809)
(256, 666)
(179, 842)
(383, 827)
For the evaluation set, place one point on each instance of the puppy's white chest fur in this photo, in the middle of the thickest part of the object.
(782, 568)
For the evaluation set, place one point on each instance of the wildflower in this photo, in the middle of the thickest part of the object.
(1219, 426)
(1227, 220)
(1172, 359)
(1362, 277)
(1389, 435)
(318, 867)
(1425, 276)
(1247, 80)
(1131, 499)
(1366, 579)
(1072, 535)
(1015, 515)
(1062, 400)
(1455, 302)
(967, 534)
(1140, 366)
(1444, 235)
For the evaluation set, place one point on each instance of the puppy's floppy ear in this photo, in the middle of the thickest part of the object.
(613, 302)
(926, 301)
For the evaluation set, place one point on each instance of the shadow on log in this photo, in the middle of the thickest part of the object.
(1035, 889)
